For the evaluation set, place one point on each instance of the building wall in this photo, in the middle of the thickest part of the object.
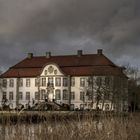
(52, 70)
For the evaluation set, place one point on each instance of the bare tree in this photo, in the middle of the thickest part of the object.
(99, 88)
(133, 87)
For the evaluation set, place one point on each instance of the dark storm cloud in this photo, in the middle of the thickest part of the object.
(68, 25)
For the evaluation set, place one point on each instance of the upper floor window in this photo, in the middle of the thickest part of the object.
(20, 95)
(4, 83)
(58, 94)
(72, 95)
(20, 82)
(50, 81)
(11, 83)
(65, 94)
(82, 82)
(37, 82)
(58, 81)
(99, 81)
(27, 95)
(65, 82)
(72, 81)
(107, 80)
(10, 95)
(27, 82)
(43, 81)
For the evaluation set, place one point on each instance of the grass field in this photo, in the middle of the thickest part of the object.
(88, 127)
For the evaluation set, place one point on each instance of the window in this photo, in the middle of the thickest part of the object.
(4, 96)
(72, 81)
(46, 72)
(58, 94)
(82, 96)
(42, 94)
(4, 83)
(89, 95)
(20, 95)
(65, 94)
(27, 82)
(20, 82)
(81, 106)
(72, 107)
(36, 82)
(82, 82)
(10, 95)
(11, 83)
(37, 96)
(72, 95)
(107, 81)
(106, 107)
(43, 82)
(99, 81)
(65, 82)
(58, 82)
(50, 81)
(27, 95)
(90, 106)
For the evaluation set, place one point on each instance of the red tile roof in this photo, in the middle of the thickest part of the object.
(70, 60)
(91, 64)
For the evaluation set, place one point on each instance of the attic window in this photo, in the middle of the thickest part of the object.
(46, 72)
(50, 69)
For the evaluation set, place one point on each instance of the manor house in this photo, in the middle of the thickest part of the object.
(83, 81)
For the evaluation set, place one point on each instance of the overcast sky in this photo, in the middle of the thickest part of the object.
(65, 26)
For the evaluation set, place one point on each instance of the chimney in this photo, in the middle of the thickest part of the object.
(79, 53)
(100, 51)
(48, 54)
(30, 55)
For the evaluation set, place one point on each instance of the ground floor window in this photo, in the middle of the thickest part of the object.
(43, 94)
(82, 96)
(72, 107)
(10, 95)
(106, 107)
(37, 96)
(65, 94)
(28, 96)
(58, 94)
(20, 95)
(72, 95)
(81, 106)
(4, 96)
